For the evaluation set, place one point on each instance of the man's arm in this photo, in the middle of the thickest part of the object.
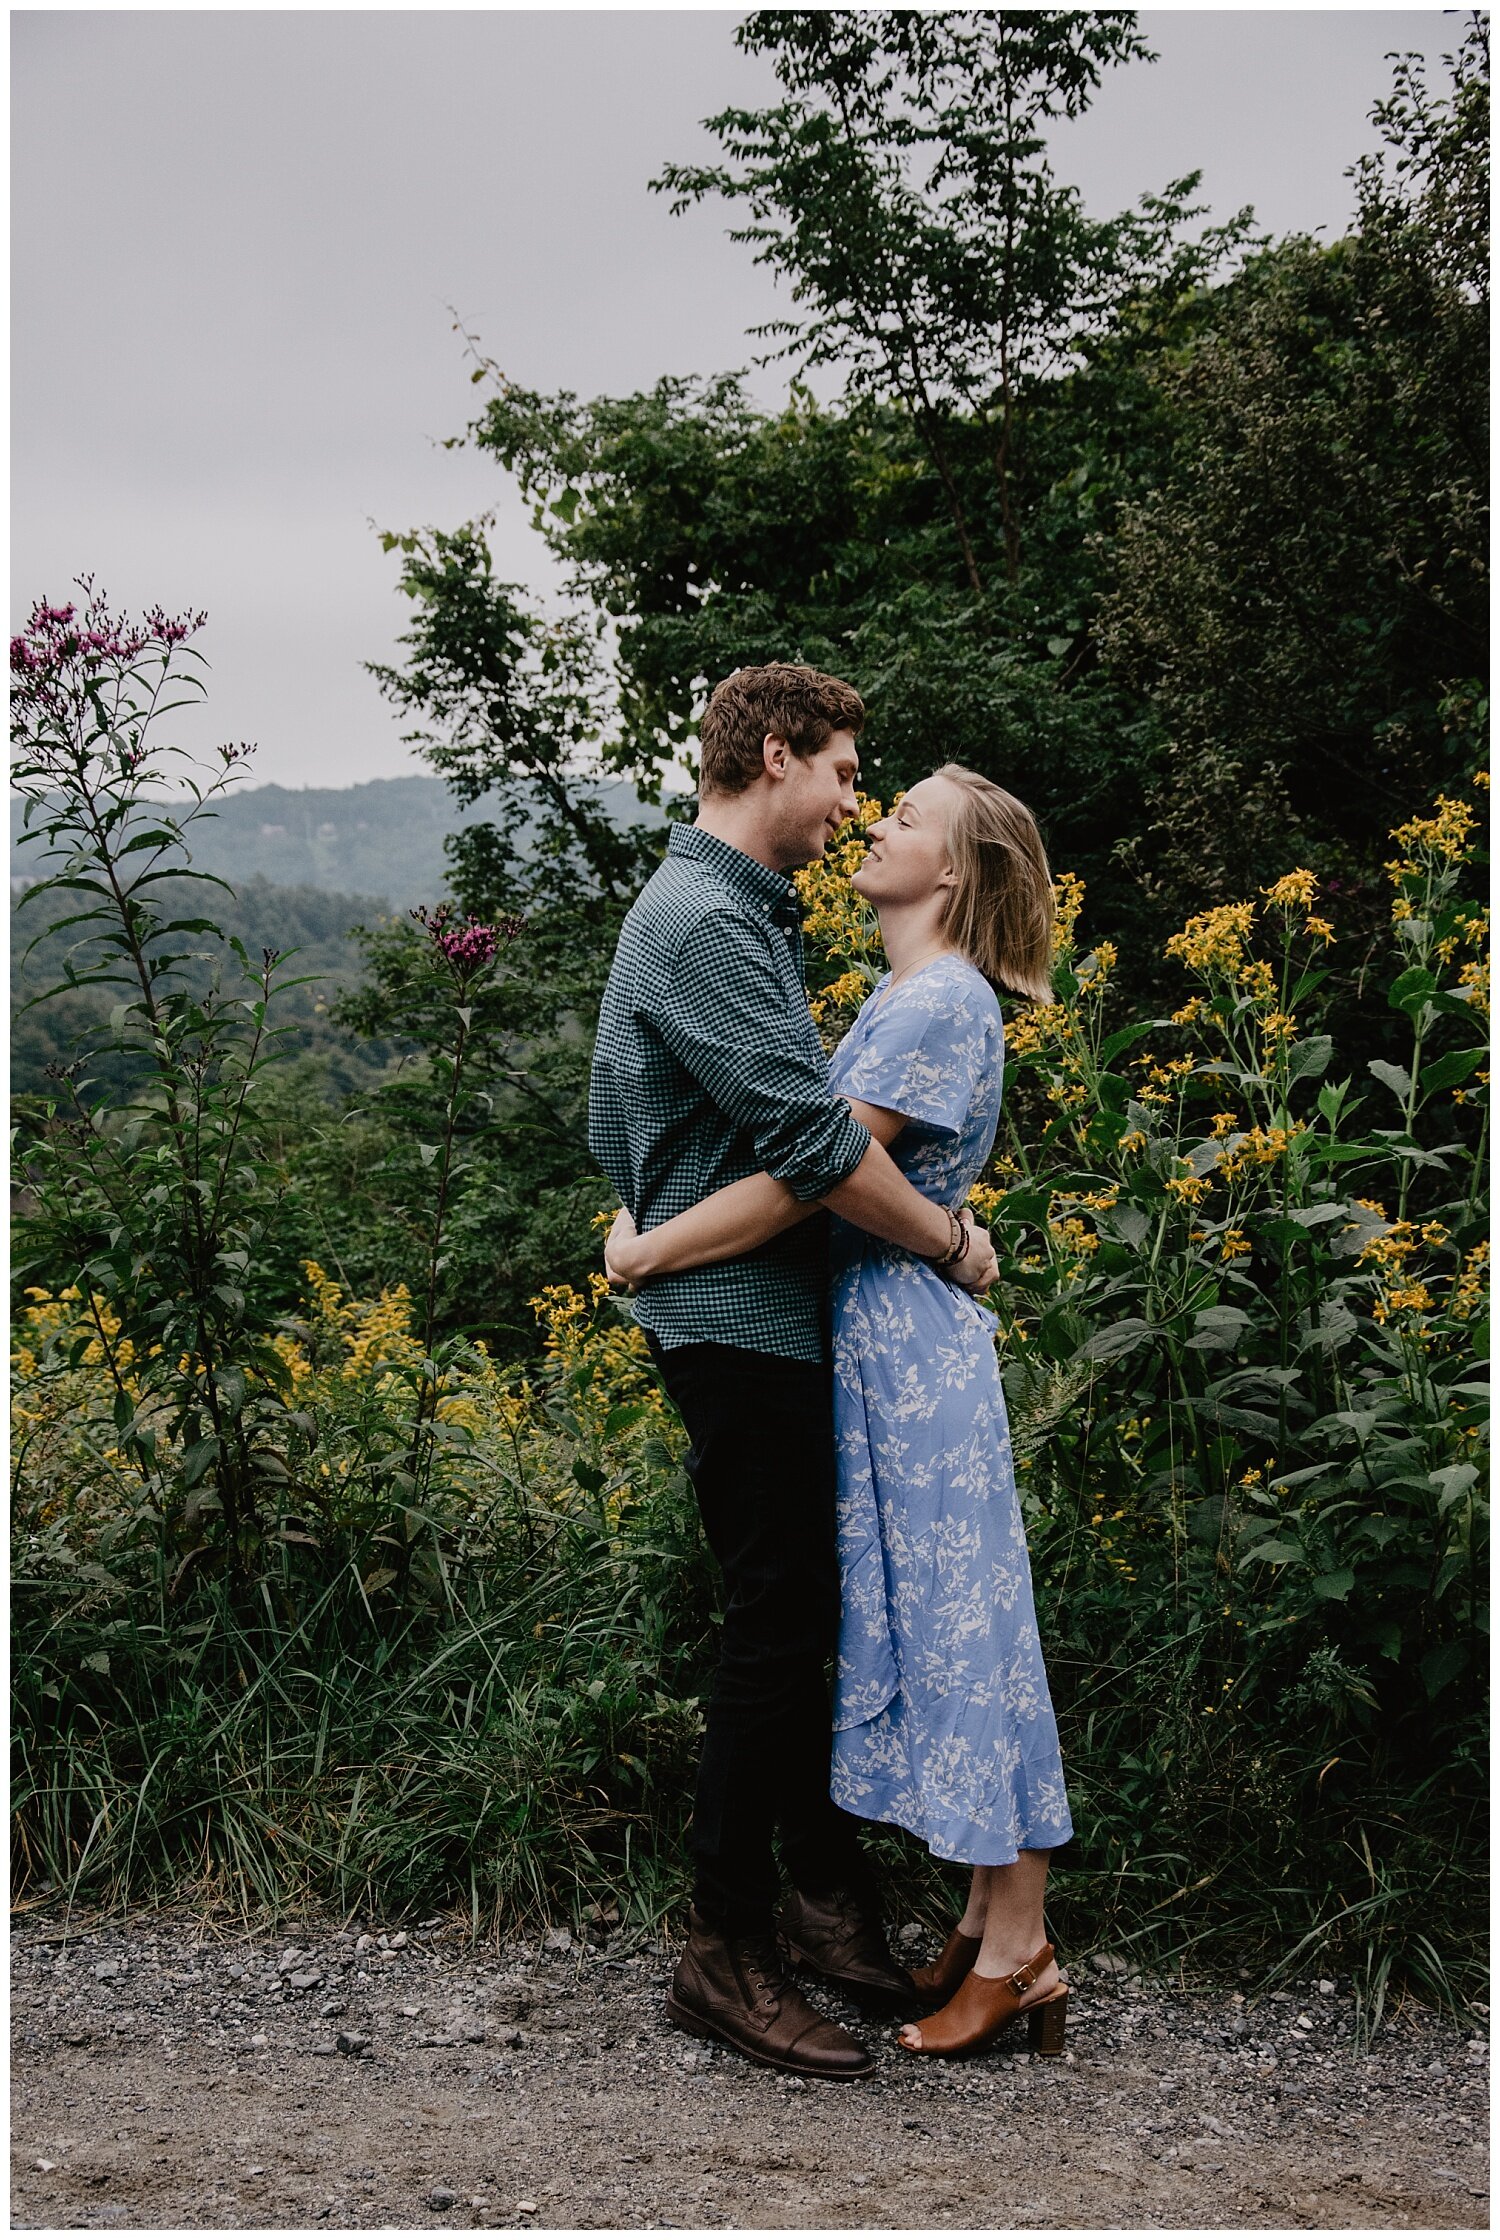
(726, 1023)
(745, 1214)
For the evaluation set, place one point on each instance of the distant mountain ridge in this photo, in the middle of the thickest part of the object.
(383, 837)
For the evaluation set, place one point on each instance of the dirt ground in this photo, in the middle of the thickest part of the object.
(171, 2072)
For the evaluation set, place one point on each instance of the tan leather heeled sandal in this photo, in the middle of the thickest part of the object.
(984, 2006)
(947, 1971)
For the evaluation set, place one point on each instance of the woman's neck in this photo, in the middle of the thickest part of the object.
(911, 934)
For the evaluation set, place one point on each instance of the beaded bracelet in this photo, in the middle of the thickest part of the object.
(958, 1245)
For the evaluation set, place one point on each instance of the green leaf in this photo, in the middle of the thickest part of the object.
(1129, 1223)
(1207, 1520)
(1060, 1333)
(1217, 1328)
(1331, 1098)
(621, 1418)
(1115, 1340)
(1313, 1217)
(1446, 1073)
(232, 1388)
(1274, 1551)
(197, 1459)
(1411, 989)
(1025, 1205)
(1443, 1665)
(1122, 1038)
(1452, 1484)
(1333, 1586)
(1307, 1060)
(1396, 1078)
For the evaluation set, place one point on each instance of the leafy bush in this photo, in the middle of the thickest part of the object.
(492, 1697)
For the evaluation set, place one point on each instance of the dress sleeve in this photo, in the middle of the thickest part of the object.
(924, 1049)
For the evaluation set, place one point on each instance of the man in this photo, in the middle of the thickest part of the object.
(708, 1068)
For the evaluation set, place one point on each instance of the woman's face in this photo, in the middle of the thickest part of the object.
(909, 860)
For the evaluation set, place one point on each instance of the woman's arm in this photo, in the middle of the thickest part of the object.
(733, 1220)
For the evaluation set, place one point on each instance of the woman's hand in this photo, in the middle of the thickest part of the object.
(621, 1264)
(979, 1267)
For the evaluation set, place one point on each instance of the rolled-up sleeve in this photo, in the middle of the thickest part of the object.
(723, 1017)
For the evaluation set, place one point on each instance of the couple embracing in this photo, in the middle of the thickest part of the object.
(837, 1378)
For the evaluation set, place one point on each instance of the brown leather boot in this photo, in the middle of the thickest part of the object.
(736, 1988)
(844, 1944)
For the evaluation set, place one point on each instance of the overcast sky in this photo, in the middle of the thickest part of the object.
(236, 236)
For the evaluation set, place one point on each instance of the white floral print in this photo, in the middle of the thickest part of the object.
(943, 1723)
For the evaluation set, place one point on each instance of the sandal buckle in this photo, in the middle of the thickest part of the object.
(1023, 1979)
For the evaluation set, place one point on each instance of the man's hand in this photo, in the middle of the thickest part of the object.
(617, 1245)
(978, 1268)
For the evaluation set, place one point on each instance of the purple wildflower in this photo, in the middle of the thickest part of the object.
(466, 945)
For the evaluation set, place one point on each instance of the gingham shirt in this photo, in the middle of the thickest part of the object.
(708, 1068)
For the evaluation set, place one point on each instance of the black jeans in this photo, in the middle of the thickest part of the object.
(762, 1466)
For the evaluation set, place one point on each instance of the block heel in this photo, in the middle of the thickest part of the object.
(1047, 2025)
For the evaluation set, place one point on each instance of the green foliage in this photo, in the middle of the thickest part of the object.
(308, 922)
(1303, 595)
(159, 1200)
(903, 188)
(508, 704)
(494, 1698)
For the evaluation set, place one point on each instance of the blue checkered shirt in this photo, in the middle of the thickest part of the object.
(708, 1068)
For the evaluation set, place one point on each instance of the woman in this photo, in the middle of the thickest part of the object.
(942, 1719)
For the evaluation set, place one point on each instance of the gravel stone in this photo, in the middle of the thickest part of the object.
(1174, 2107)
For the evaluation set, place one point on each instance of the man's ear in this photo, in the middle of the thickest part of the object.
(776, 755)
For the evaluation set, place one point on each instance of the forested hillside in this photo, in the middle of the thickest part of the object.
(384, 839)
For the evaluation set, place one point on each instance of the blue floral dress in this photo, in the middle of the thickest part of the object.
(943, 1723)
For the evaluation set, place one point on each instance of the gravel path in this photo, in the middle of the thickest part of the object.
(169, 2071)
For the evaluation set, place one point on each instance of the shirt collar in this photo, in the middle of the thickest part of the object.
(770, 891)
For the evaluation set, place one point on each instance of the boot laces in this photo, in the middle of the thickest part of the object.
(764, 1969)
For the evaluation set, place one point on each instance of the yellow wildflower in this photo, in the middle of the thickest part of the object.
(986, 1200)
(1214, 941)
(1067, 900)
(1471, 1283)
(1474, 979)
(1412, 1298)
(1445, 835)
(1296, 891)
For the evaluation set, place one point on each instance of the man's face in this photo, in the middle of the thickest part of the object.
(814, 797)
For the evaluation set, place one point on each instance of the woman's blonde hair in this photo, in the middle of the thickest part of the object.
(1001, 910)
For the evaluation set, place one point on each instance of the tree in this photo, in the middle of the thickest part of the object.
(510, 704)
(1304, 596)
(903, 188)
